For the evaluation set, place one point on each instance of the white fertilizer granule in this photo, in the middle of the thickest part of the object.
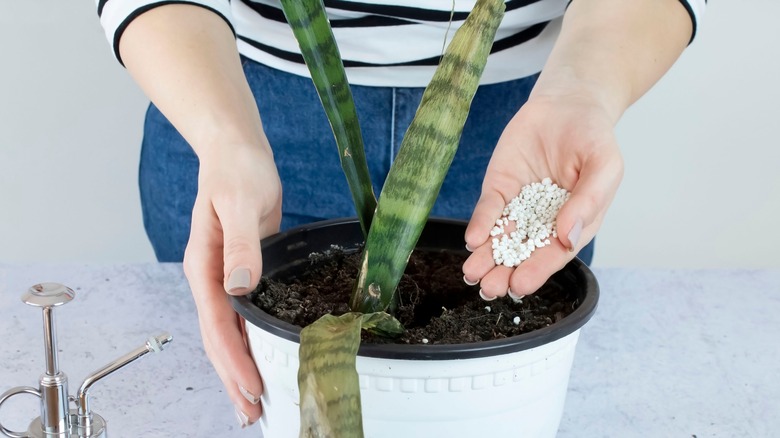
(533, 213)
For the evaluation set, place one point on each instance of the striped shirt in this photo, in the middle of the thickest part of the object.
(383, 42)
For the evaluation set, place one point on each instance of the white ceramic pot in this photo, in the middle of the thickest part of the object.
(510, 387)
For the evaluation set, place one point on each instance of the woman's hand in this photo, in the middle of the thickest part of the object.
(609, 53)
(570, 140)
(238, 203)
(185, 59)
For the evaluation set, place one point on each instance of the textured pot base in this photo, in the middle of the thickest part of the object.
(520, 394)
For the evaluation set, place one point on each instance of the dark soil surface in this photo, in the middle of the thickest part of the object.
(435, 303)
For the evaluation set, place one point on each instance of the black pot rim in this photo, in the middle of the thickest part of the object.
(571, 323)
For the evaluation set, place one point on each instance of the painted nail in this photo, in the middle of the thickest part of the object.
(486, 298)
(243, 419)
(248, 395)
(515, 298)
(470, 283)
(238, 281)
(468, 248)
(574, 234)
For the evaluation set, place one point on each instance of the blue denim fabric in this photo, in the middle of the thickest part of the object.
(305, 153)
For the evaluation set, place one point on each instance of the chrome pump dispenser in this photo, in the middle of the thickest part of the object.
(58, 419)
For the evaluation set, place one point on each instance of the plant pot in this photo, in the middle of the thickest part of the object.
(514, 386)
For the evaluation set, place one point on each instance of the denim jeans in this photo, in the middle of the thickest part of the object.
(306, 154)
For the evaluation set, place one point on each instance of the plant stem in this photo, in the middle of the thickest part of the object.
(425, 156)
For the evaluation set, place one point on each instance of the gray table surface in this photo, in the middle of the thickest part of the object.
(670, 353)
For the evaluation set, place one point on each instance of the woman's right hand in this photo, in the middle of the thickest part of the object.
(185, 59)
(238, 203)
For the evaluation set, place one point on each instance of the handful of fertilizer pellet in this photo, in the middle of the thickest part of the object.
(533, 213)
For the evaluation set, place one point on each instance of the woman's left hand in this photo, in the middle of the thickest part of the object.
(608, 54)
(569, 139)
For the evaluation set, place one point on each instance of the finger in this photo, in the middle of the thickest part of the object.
(495, 283)
(533, 272)
(222, 337)
(241, 257)
(488, 209)
(478, 264)
(225, 345)
(598, 182)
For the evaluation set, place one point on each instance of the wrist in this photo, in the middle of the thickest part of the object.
(214, 146)
(567, 86)
(229, 153)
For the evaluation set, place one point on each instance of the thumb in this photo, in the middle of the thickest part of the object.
(592, 194)
(242, 259)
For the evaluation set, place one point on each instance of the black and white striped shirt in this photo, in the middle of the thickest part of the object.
(383, 42)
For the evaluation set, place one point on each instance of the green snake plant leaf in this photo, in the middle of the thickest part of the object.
(423, 160)
(327, 379)
(312, 30)
(382, 324)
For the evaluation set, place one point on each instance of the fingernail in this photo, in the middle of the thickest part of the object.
(574, 234)
(515, 298)
(470, 283)
(248, 395)
(243, 419)
(486, 298)
(468, 248)
(239, 280)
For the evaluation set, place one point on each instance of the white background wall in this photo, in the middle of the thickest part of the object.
(701, 149)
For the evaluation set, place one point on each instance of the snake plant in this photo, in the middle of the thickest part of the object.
(330, 396)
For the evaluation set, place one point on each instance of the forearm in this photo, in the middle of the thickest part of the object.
(185, 59)
(612, 51)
